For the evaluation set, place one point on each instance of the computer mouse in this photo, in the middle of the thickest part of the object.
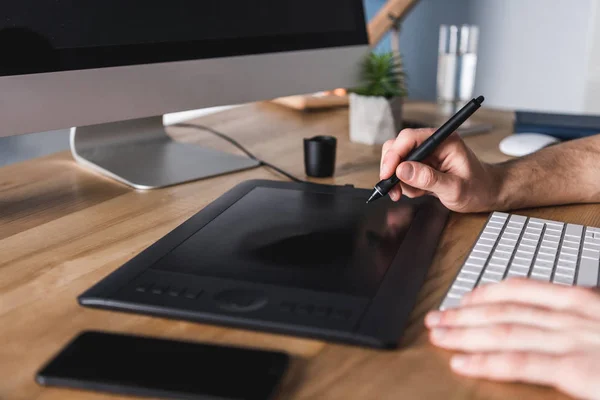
(522, 144)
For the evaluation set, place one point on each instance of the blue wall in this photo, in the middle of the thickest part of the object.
(419, 40)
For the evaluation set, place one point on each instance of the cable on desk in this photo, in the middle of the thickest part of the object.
(242, 148)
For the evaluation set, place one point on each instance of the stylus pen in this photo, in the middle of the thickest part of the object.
(428, 146)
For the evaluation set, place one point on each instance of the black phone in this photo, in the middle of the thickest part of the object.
(155, 367)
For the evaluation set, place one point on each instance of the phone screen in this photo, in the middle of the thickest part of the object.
(164, 368)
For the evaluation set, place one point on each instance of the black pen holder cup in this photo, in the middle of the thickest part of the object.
(319, 156)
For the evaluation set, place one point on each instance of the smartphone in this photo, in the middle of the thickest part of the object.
(154, 367)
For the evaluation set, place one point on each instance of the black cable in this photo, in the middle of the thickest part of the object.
(242, 148)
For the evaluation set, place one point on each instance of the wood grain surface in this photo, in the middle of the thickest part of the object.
(63, 228)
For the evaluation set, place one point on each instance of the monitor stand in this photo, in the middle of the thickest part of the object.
(140, 154)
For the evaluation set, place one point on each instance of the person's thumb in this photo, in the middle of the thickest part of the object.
(421, 176)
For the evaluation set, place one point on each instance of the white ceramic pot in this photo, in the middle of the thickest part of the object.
(373, 119)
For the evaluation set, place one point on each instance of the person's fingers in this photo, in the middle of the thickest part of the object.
(422, 176)
(504, 313)
(395, 193)
(386, 169)
(410, 191)
(506, 337)
(544, 369)
(394, 151)
(526, 291)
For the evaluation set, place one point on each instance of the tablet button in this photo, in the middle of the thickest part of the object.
(305, 309)
(240, 300)
(159, 289)
(287, 306)
(192, 293)
(342, 314)
(141, 288)
(322, 311)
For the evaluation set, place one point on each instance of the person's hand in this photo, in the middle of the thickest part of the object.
(526, 331)
(452, 172)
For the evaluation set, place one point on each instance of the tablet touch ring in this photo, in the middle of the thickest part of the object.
(240, 300)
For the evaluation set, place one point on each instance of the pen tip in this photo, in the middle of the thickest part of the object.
(480, 99)
(374, 196)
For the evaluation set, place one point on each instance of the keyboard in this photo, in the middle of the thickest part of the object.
(517, 246)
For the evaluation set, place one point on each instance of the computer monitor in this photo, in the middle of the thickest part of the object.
(110, 69)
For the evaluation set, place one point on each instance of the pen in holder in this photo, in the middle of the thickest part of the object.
(319, 156)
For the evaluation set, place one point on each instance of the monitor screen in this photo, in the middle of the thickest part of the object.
(67, 35)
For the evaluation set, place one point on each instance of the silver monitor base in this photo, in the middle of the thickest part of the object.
(140, 154)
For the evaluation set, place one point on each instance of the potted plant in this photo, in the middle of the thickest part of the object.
(376, 104)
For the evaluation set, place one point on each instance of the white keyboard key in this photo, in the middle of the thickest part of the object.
(591, 246)
(476, 261)
(485, 247)
(574, 230)
(545, 256)
(539, 277)
(486, 281)
(565, 257)
(502, 255)
(466, 280)
(521, 263)
(466, 272)
(531, 236)
(527, 247)
(513, 230)
(450, 302)
(517, 218)
(498, 261)
(568, 244)
(549, 244)
(543, 263)
(588, 273)
(492, 276)
(570, 253)
(519, 267)
(567, 280)
(481, 255)
(508, 239)
(489, 236)
(530, 242)
(503, 247)
(565, 271)
(594, 255)
(496, 269)
(472, 269)
(490, 230)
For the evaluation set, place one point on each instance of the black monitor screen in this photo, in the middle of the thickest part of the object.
(63, 35)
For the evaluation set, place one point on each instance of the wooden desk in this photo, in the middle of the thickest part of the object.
(64, 228)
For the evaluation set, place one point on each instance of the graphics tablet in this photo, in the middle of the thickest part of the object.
(299, 259)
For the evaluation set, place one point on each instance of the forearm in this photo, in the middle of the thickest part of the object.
(562, 174)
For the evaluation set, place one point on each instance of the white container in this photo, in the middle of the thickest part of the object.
(457, 63)
(374, 119)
